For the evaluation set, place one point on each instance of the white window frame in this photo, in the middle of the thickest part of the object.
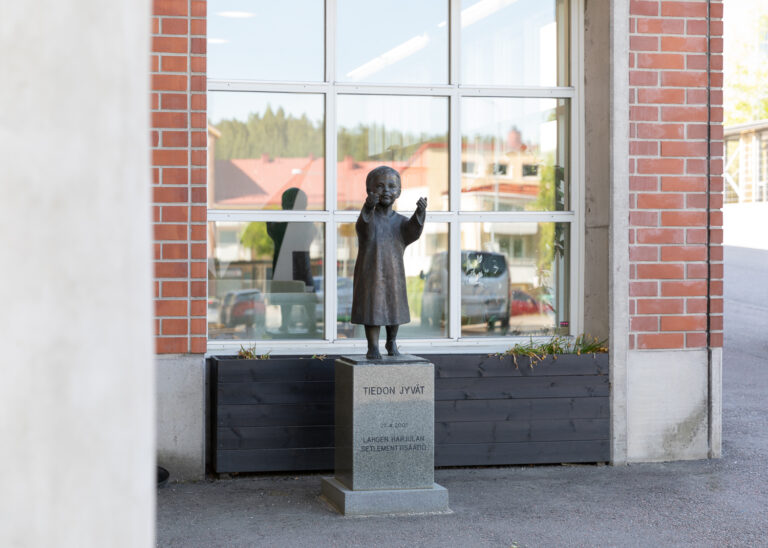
(331, 216)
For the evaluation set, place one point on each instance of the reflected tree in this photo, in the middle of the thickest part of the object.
(255, 238)
(273, 133)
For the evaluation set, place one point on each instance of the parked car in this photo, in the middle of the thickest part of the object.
(343, 297)
(484, 289)
(243, 307)
(522, 303)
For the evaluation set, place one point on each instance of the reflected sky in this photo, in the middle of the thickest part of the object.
(510, 42)
(411, 115)
(488, 116)
(409, 45)
(266, 40)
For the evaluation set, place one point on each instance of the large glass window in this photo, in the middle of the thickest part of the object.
(515, 42)
(518, 153)
(263, 144)
(394, 42)
(409, 134)
(471, 101)
(426, 278)
(514, 278)
(265, 280)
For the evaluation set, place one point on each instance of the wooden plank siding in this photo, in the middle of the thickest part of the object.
(277, 414)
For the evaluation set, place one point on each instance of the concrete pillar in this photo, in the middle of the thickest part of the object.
(77, 387)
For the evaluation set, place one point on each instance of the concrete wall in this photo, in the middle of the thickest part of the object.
(618, 233)
(597, 93)
(674, 404)
(181, 415)
(77, 389)
(667, 405)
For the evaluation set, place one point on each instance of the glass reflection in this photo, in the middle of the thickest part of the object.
(409, 134)
(260, 144)
(394, 42)
(263, 278)
(247, 40)
(514, 154)
(514, 42)
(419, 257)
(514, 279)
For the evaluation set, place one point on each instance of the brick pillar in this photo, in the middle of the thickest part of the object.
(179, 174)
(675, 181)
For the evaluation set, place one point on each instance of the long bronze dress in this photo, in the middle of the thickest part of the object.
(379, 293)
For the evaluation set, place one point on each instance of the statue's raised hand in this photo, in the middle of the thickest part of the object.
(421, 205)
(372, 199)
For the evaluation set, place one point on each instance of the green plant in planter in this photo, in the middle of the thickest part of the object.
(250, 353)
(539, 351)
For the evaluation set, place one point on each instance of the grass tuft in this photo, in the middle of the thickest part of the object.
(539, 351)
(250, 354)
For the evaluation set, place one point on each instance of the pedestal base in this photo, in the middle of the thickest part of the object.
(385, 501)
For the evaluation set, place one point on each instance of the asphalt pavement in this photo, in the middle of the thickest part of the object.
(721, 502)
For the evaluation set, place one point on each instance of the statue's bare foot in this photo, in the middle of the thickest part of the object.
(373, 354)
(392, 349)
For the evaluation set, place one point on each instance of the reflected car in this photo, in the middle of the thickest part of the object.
(521, 303)
(484, 289)
(243, 307)
(343, 297)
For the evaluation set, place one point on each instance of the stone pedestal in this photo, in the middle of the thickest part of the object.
(385, 422)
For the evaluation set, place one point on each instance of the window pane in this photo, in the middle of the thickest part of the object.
(514, 154)
(514, 279)
(395, 42)
(263, 280)
(409, 134)
(426, 276)
(266, 40)
(262, 145)
(514, 42)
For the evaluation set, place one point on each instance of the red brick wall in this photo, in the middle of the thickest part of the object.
(675, 186)
(178, 174)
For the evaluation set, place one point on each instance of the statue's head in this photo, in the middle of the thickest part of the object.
(385, 182)
(294, 198)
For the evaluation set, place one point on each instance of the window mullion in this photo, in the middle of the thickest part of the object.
(330, 172)
(454, 181)
(577, 124)
(454, 37)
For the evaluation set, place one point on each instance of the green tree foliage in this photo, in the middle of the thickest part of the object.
(273, 133)
(255, 238)
(377, 143)
(551, 195)
(279, 135)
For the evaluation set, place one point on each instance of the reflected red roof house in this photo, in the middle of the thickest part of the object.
(260, 182)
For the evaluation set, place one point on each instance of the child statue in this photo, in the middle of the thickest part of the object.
(379, 292)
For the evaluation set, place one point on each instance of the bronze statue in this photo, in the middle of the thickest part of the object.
(379, 292)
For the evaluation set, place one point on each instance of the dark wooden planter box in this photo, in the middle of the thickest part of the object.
(277, 414)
